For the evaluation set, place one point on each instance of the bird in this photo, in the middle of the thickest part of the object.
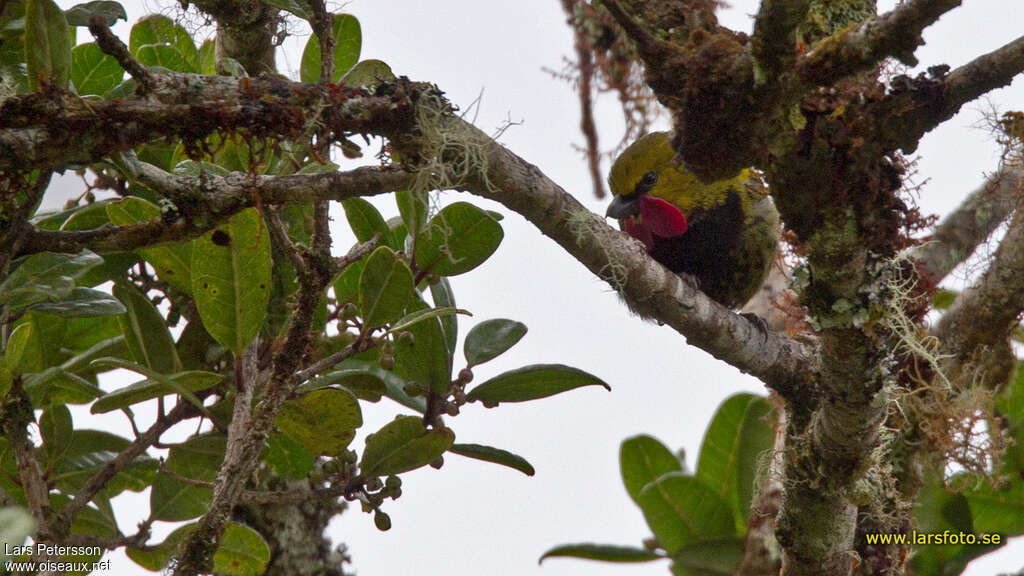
(722, 236)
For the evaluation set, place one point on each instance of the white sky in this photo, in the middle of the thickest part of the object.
(472, 517)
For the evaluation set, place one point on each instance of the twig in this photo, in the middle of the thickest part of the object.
(111, 45)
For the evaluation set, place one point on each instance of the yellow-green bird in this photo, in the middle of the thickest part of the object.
(723, 234)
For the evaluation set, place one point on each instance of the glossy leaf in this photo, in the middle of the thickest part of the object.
(58, 386)
(157, 29)
(18, 343)
(47, 44)
(403, 445)
(459, 238)
(681, 510)
(531, 383)
(323, 421)
(172, 261)
(602, 552)
(495, 455)
(642, 460)
(491, 338)
(442, 295)
(46, 276)
(425, 314)
(733, 444)
(56, 428)
(708, 558)
(384, 287)
(82, 303)
(346, 284)
(424, 359)
(92, 71)
(365, 385)
(110, 11)
(231, 279)
(164, 56)
(145, 331)
(348, 40)
(287, 456)
(367, 73)
(394, 384)
(193, 380)
(43, 343)
(163, 379)
(365, 220)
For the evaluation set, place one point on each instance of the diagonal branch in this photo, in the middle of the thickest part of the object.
(907, 115)
(896, 33)
(650, 289)
(957, 236)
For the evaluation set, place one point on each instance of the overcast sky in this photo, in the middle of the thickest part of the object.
(474, 518)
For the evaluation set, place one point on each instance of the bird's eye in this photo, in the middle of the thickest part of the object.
(647, 182)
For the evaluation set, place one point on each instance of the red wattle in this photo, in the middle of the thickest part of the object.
(656, 218)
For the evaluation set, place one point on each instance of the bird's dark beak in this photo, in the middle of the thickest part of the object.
(623, 208)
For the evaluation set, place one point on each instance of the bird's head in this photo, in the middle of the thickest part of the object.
(639, 180)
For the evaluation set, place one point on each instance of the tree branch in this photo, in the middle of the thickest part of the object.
(774, 40)
(112, 46)
(957, 236)
(896, 33)
(907, 114)
(650, 289)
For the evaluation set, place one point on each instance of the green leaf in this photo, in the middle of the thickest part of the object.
(424, 314)
(231, 279)
(943, 297)
(58, 386)
(602, 552)
(47, 44)
(365, 385)
(16, 525)
(92, 71)
(424, 359)
(495, 455)
(682, 510)
(82, 303)
(207, 58)
(323, 421)
(199, 169)
(172, 261)
(708, 558)
(296, 7)
(732, 445)
(491, 338)
(442, 295)
(242, 552)
(348, 39)
(163, 379)
(367, 73)
(165, 56)
(110, 11)
(413, 207)
(365, 220)
(145, 331)
(346, 285)
(18, 343)
(642, 460)
(44, 342)
(998, 510)
(395, 385)
(193, 380)
(287, 456)
(46, 276)
(56, 427)
(459, 238)
(384, 287)
(157, 29)
(198, 458)
(403, 445)
(531, 383)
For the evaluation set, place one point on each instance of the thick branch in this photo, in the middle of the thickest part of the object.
(896, 33)
(774, 40)
(58, 128)
(981, 318)
(957, 236)
(907, 115)
(208, 200)
(647, 287)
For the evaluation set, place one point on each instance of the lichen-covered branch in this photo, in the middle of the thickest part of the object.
(246, 31)
(774, 40)
(975, 330)
(908, 114)
(896, 33)
(973, 221)
(206, 201)
(648, 288)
